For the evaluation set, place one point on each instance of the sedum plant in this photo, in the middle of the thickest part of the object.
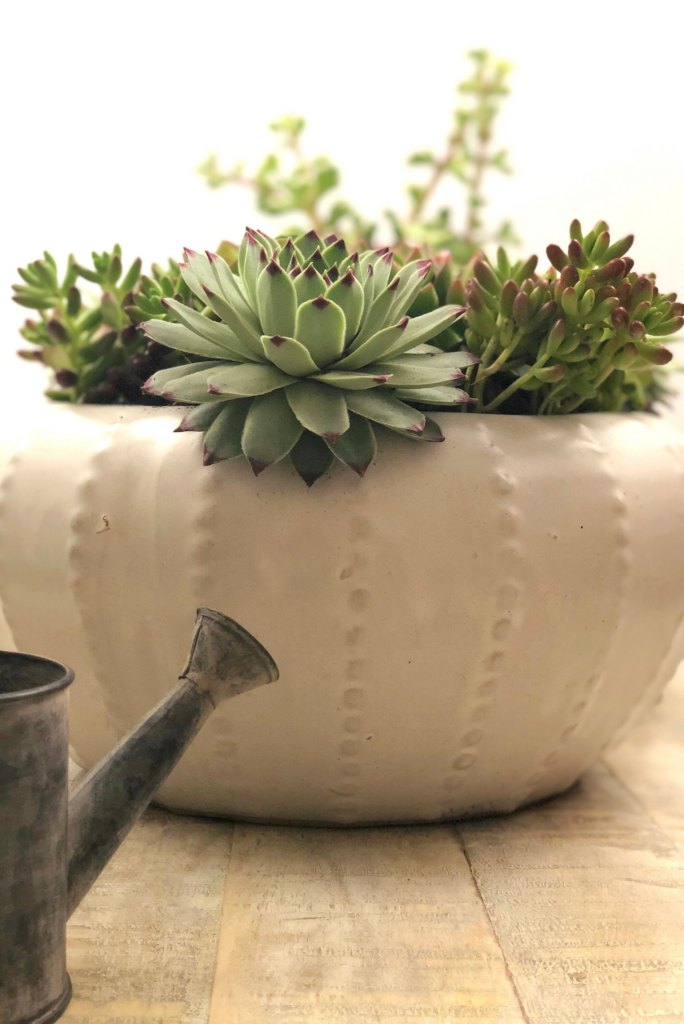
(582, 336)
(90, 337)
(308, 350)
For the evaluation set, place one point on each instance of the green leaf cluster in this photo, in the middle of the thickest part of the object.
(289, 183)
(305, 351)
(87, 328)
(582, 336)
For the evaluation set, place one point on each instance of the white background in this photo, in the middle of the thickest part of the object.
(108, 108)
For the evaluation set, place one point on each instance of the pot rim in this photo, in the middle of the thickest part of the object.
(65, 676)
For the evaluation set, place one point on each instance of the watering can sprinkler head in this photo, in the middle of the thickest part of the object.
(53, 844)
(225, 660)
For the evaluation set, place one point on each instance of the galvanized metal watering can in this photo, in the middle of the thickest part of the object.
(53, 845)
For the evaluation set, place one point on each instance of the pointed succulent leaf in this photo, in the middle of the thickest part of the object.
(309, 285)
(192, 387)
(422, 328)
(356, 448)
(375, 348)
(456, 359)
(319, 408)
(242, 251)
(335, 253)
(351, 261)
(201, 417)
(434, 396)
(428, 350)
(351, 380)
(316, 260)
(285, 254)
(381, 273)
(382, 407)
(156, 384)
(223, 439)
(248, 379)
(431, 432)
(308, 243)
(191, 280)
(321, 329)
(245, 341)
(250, 340)
(347, 293)
(248, 263)
(218, 333)
(182, 339)
(204, 267)
(408, 375)
(289, 355)
(364, 275)
(269, 244)
(375, 318)
(271, 430)
(370, 258)
(411, 280)
(231, 288)
(276, 301)
(201, 268)
(311, 457)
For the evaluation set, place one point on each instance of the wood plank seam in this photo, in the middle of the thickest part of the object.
(509, 973)
(642, 806)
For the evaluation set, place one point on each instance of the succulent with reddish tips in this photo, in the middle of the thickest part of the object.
(305, 350)
(582, 336)
(92, 344)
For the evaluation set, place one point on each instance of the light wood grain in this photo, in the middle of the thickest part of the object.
(142, 945)
(586, 896)
(571, 912)
(378, 925)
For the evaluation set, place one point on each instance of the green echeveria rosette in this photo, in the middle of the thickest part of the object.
(584, 336)
(306, 349)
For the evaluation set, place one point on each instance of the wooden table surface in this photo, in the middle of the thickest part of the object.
(571, 912)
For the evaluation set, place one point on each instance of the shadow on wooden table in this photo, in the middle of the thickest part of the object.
(569, 911)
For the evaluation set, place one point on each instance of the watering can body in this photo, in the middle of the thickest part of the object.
(53, 845)
(34, 756)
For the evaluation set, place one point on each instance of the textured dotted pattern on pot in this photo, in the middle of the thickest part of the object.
(355, 598)
(203, 571)
(538, 781)
(496, 639)
(87, 520)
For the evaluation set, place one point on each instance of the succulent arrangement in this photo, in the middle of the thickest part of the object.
(301, 347)
(91, 339)
(305, 351)
(288, 183)
(584, 335)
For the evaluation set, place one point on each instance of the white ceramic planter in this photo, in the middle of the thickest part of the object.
(461, 632)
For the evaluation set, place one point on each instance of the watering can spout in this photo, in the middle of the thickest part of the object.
(225, 661)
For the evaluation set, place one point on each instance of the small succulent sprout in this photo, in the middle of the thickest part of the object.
(311, 350)
(579, 337)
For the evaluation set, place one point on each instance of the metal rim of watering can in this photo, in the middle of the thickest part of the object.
(247, 637)
(65, 676)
